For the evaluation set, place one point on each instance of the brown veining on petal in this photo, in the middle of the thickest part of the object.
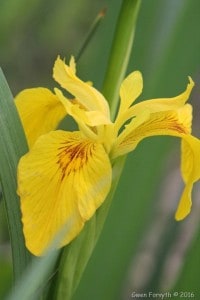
(164, 125)
(73, 156)
(179, 128)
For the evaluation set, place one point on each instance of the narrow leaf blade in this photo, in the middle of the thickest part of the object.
(12, 147)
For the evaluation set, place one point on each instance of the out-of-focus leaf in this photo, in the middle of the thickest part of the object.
(5, 276)
(34, 279)
(13, 15)
(188, 281)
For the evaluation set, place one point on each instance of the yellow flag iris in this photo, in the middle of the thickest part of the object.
(66, 176)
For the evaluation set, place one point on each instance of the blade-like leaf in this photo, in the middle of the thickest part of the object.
(12, 147)
(34, 279)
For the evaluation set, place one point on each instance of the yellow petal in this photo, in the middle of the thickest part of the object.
(186, 159)
(190, 152)
(190, 169)
(40, 112)
(61, 182)
(90, 118)
(130, 89)
(72, 64)
(88, 96)
(157, 105)
(185, 203)
(174, 123)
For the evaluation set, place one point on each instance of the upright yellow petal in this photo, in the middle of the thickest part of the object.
(87, 95)
(40, 112)
(61, 182)
(130, 89)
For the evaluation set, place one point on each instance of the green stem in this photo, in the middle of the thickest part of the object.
(117, 66)
(120, 52)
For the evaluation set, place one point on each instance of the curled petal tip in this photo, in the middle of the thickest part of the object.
(191, 81)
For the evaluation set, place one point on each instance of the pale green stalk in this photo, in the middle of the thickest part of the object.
(75, 256)
(120, 52)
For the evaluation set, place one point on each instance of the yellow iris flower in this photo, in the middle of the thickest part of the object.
(66, 176)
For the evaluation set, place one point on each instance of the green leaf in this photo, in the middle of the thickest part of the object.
(188, 282)
(12, 147)
(35, 278)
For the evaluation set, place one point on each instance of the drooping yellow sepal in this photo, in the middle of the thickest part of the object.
(61, 182)
(190, 169)
(174, 123)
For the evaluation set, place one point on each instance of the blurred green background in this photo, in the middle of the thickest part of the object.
(141, 248)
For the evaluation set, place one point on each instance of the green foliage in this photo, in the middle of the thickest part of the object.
(35, 278)
(5, 275)
(13, 146)
(166, 50)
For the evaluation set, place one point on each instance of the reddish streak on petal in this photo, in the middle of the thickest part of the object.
(72, 158)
